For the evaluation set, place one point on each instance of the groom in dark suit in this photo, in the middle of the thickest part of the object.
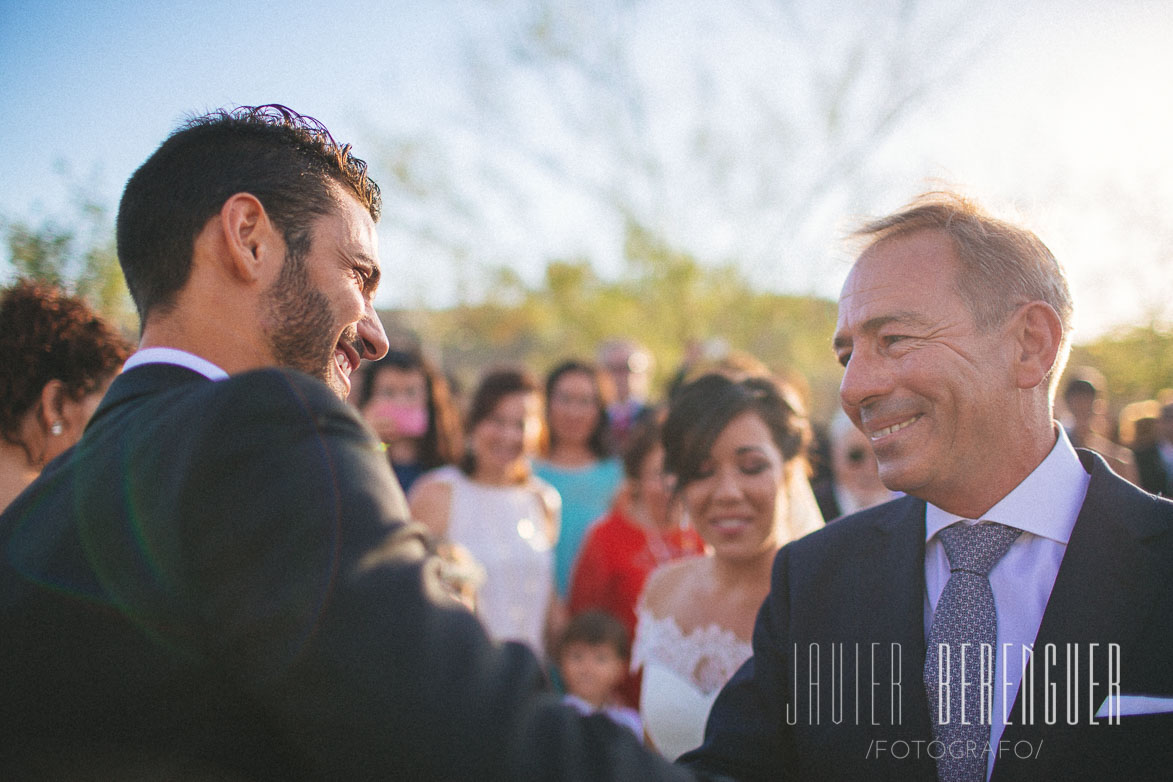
(1010, 619)
(218, 581)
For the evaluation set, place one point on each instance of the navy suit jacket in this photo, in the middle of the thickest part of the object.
(1154, 477)
(847, 604)
(217, 582)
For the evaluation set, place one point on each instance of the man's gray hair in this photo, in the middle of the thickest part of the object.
(1003, 266)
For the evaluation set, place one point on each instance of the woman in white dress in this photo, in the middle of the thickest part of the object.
(494, 507)
(736, 450)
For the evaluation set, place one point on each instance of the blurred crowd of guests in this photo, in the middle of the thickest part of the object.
(625, 539)
(629, 539)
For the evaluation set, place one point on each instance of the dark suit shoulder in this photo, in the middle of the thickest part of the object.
(823, 579)
(1151, 468)
(283, 379)
(164, 394)
(252, 412)
(1111, 497)
(275, 390)
(851, 531)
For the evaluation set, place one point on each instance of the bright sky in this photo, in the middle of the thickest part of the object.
(1067, 119)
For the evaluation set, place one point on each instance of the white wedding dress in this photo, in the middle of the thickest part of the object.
(682, 674)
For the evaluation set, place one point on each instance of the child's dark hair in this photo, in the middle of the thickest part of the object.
(595, 628)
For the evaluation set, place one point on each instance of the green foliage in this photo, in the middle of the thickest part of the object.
(80, 258)
(1137, 362)
(39, 253)
(664, 299)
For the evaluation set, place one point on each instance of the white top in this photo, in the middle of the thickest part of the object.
(682, 674)
(621, 715)
(1044, 506)
(505, 528)
(175, 356)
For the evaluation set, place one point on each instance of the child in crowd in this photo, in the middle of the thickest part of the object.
(593, 656)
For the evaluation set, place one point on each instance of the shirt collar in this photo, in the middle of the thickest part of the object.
(1046, 503)
(175, 356)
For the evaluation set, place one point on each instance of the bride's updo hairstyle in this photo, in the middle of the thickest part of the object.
(702, 409)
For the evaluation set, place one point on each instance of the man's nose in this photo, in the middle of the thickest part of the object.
(864, 378)
(371, 335)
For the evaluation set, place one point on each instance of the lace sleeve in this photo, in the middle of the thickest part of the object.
(707, 656)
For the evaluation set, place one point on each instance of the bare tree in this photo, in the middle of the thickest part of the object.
(740, 130)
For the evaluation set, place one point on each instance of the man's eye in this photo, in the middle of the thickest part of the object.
(843, 359)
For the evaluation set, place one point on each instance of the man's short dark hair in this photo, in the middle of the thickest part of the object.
(288, 161)
(1085, 381)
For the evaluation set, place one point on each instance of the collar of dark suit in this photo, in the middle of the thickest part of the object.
(145, 380)
(1123, 507)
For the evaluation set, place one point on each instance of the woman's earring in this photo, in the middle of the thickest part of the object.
(57, 428)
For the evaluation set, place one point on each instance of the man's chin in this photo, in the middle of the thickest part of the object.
(332, 377)
(895, 477)
(338, 383)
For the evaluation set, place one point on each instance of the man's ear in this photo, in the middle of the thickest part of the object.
(1038, 333)
(254, 247)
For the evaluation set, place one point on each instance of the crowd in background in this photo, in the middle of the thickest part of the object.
(626, 539)
(583, 494)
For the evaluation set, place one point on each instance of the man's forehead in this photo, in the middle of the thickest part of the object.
(902, 267)
(893, 287)
(872, 294)
(353, 219)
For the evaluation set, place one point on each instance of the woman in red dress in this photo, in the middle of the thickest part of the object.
(639, 534)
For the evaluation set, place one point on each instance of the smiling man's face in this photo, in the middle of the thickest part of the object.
(928, 388)
(320, 315)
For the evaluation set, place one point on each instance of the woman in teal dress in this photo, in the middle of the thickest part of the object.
(577, 459)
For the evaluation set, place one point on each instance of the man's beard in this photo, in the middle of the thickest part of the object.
(300, 322)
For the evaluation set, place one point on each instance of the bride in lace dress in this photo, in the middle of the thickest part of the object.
(737, 452)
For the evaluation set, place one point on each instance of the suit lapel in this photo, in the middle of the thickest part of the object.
(1102, 595)
(889, 595)
(904, 564)
(897, 612)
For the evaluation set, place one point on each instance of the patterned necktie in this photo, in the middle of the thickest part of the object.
(965, 615)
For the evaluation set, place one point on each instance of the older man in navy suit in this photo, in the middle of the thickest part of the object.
(1010, 619)
(218, 581)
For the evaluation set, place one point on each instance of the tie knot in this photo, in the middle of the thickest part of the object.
(975, 548)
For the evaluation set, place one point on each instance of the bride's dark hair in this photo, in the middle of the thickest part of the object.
(702, 409)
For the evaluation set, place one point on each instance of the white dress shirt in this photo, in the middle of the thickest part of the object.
(175, 356)
(1044, 506)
